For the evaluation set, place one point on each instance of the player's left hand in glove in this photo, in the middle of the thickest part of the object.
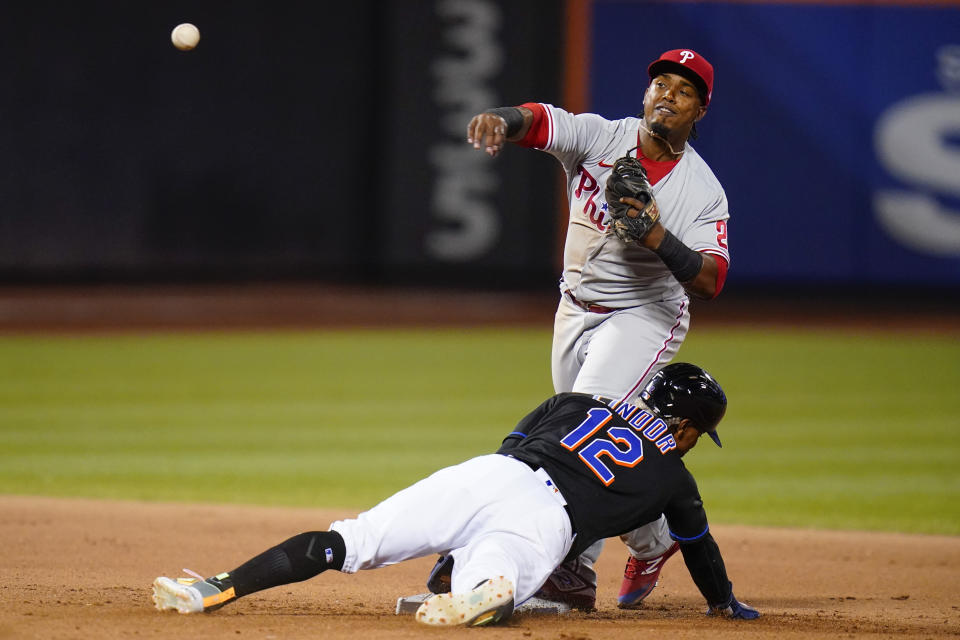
(734, 609)
(628, 179)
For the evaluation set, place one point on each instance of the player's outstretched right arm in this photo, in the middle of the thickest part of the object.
(492, 128)
(705, 564)
(688, 526)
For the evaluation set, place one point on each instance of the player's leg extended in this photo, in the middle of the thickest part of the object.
(399, 528)
(296, 559)
(434, 515)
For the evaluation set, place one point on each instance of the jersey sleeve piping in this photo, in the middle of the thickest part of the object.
(716, 252)
(705, 531)
(541, 132)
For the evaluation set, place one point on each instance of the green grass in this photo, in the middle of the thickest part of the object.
(335, 418)
(823, 430)
(834, 430)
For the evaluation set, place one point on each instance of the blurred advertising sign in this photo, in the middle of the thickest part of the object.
(834, 129)
(916, 142)
(456, 212)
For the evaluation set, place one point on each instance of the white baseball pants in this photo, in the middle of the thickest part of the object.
(615, 354)
(492, 513)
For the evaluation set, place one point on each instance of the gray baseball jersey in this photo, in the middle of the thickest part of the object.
(599, 267)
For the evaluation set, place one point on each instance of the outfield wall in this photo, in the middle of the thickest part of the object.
(294, 143)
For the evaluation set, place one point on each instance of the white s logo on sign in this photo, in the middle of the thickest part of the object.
(912, 142)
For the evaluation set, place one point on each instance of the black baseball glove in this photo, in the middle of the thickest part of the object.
(629, 179)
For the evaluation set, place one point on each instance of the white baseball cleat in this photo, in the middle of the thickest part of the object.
(189, 595)
(170, 594)
(489, 602)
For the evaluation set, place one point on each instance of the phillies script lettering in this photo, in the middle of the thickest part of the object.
(589, 185)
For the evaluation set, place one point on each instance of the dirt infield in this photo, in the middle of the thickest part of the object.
(83, 568)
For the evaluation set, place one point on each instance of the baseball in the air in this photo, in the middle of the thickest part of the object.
(185, 36)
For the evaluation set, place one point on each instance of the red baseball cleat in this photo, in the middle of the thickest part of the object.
(640, 577)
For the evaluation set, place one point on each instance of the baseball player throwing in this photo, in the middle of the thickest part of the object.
(577, 469)
(630, 262)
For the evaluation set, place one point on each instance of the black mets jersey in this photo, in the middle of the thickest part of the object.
(618, 468)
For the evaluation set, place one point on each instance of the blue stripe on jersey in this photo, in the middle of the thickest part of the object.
(517, 433)
(696, 537)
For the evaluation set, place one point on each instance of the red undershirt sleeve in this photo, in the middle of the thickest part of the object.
(538, 134)
(722, 267)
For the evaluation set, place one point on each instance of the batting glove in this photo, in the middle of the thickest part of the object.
(734, 610)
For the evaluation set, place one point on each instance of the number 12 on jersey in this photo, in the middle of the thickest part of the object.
(590, 454)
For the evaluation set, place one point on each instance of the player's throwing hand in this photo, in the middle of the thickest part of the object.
(487, 131)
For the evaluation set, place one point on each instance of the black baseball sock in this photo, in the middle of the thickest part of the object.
(294, 560)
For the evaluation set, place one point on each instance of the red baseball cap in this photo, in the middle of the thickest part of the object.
(689, 64)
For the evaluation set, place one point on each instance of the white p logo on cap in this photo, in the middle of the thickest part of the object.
(685, 55)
